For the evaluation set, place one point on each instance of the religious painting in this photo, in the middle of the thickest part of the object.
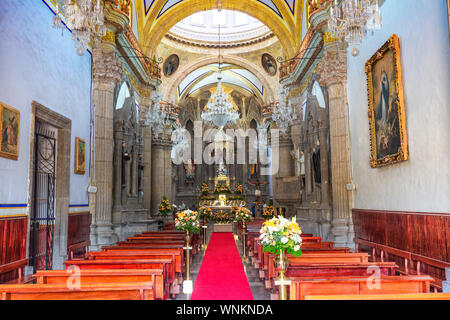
(9, 128)
(269, 64)
(80, 156)
(171, 65)
(388, 137)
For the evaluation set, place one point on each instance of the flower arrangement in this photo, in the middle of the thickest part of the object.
(188, 220)
(281, 234)
(221, 189)
(243, 214)
(204, 189)
(205, 212)
(238, 189)
(269, 212)
(223, 217)
(164, 207)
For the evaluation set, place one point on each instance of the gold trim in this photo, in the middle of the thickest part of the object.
(79, 212)
(402, 154)
(109, 37)
(15, 216)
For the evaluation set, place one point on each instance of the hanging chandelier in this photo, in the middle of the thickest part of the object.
(284, 113)
(219, 109)
(85, 19)
(352, 19)
(156, 117)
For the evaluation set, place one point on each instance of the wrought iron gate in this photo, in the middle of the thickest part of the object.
(43, 206)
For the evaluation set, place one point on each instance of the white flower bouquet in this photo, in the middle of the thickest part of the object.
(281, 234)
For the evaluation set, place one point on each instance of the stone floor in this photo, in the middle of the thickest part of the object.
(256, 284)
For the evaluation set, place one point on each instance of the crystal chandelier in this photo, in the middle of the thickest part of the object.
(219, 109)
(284, 114)
(156, 116)
(353, 19)
(85, 19)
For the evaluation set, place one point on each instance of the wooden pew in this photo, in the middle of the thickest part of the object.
(155, 276)
(90, 291)
(329, 270)
(18, 266)
(175, 255)
(358, 286)
(80, 245)
(316, 258)
(166, 264)
(402, 296)
(163, 232)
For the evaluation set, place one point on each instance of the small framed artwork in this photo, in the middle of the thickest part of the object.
(171, 65)
(269, 64)
(9, 128)
(80, 156)
(387, 120)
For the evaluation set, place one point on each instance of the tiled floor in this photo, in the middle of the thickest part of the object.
(256, 285)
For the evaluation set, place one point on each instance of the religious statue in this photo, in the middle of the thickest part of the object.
(190, 170)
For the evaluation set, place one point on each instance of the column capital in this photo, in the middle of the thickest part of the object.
(106, 67)
(332, 68)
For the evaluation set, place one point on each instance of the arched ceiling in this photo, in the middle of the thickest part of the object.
(235, 76)
(156, 17)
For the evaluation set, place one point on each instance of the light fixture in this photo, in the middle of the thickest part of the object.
(284, 113)
(352, 19)
(219, 109)
(156, 117)
(85, 19)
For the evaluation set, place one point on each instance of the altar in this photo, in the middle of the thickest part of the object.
(222, 205)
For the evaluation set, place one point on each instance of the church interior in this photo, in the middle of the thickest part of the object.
(225, 150)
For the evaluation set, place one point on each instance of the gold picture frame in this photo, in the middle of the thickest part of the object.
(387, 120)
(80, 156)
(9, 129)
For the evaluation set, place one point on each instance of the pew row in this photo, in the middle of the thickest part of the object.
(300, 287)
(403, 296)
(154, 276)
(90, 291)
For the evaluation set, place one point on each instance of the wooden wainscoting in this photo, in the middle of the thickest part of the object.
(13, 244)
(419, 242)
(78, 233)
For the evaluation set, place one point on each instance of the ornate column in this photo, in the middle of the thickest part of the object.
(161, 175)
(107, 73)
(332, 72)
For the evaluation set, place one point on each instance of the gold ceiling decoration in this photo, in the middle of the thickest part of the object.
(156, 17)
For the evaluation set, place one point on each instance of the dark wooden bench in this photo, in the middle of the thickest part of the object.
(154, 276)
(402, 296)
(18, 266)
(90, 291)
(76, 246)
(358, 286)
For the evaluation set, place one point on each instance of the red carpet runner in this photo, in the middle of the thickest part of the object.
(221, 275)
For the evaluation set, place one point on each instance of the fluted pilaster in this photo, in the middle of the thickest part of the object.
(107, 74)
(332, 72)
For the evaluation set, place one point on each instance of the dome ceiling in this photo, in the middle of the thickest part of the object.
(235, 27)
(156, 18)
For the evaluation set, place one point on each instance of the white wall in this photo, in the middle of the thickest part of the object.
(36, 63)
(422, 183)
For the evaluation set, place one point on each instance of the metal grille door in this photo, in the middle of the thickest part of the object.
(43, 207)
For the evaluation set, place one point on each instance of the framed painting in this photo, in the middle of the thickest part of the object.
(9, 128)
(171, 65)
(269, 64)
(80, 156)
(388, 136)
